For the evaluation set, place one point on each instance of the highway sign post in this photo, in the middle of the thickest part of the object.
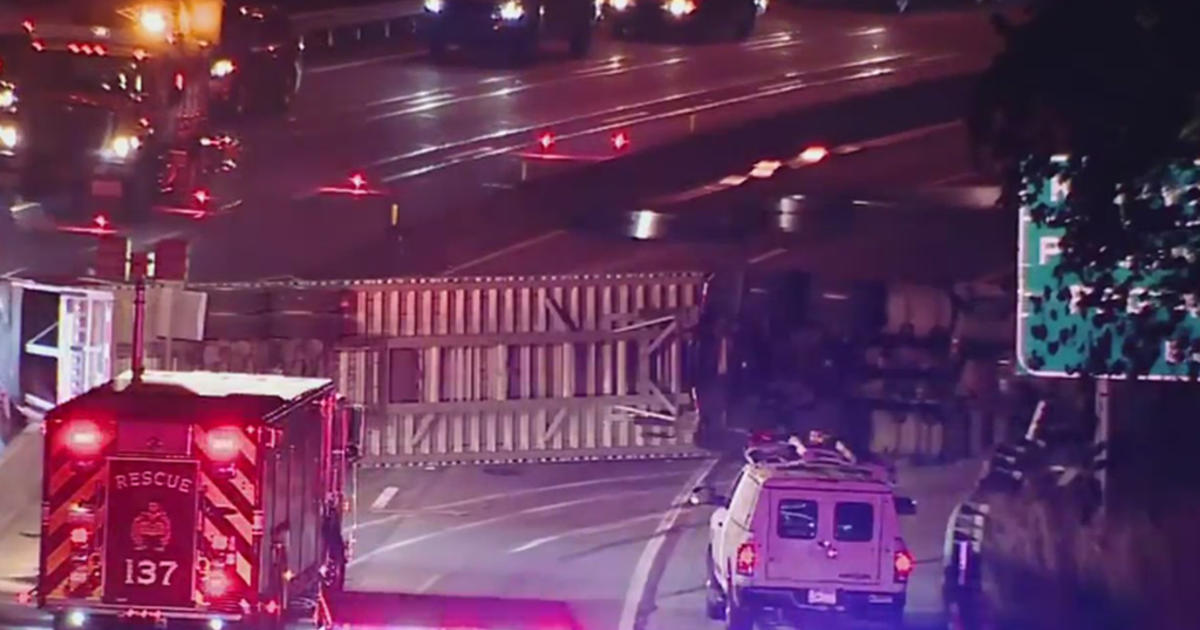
(1061, 333)
(1059, 337)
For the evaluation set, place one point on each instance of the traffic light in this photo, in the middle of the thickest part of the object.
(171, 259)
(112, 258)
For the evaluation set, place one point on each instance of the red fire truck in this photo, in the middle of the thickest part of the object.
(193, 498)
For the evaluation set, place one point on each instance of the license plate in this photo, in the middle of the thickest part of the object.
(106, 188)
(819, 596)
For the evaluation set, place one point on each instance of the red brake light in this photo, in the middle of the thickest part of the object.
(27, 25)
(39, 45)
(217, 583)
(357, 180)
(545, 140)
(79, 536)
(620, 140)
(179, 81)
(272, 607)
(223, 444)
(747, 558)
(83, 438)
(903, 562)
(201, 196)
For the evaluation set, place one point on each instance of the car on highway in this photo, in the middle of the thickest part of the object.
(516, 26)
(806, 531)
(694, 18)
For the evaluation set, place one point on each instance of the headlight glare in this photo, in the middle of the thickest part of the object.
(679, 8)
(8, 98)
(122, 146)
(8, 136)
(512, 10)
(434, 6)
(222, 68)
(620, 5)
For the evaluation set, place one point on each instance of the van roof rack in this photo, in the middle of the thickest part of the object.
(832, 460)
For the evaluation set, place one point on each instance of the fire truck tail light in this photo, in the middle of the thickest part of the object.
(79, 536)
(216, 584)
(84, 438)
(223, 444)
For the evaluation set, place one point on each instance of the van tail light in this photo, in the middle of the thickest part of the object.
(747, 558)
(902, 562)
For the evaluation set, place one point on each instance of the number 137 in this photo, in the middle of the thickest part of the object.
(150, 573)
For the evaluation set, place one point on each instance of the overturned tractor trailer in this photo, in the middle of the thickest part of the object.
(448, 370)
(60, 338)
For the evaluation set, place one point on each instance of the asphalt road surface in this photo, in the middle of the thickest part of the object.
(614, 541)
(434, 139)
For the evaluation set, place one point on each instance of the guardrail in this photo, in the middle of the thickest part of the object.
(347, 30)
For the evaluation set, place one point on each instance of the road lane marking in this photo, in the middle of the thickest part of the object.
(957, 177)
(581, 531)
(908, 135)
(430, 582)
(767, 255)
(529, 242)
(639, 583)
(322, 69)
(517, 493)
(384, 498)
(407, 542)
(624, 117)
(744, 85)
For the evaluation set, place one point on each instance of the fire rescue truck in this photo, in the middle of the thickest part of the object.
(193, 498)
(109, 107)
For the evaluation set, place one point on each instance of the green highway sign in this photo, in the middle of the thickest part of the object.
(1057, 336)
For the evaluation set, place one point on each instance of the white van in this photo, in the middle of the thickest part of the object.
(815, 533)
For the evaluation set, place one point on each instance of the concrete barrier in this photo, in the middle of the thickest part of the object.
(350, 30)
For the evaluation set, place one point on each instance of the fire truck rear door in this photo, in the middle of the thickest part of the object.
(150, 548)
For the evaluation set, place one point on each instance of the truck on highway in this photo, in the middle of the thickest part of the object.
(215, 500)
(517, 26)
(110, 103)
(193, 498)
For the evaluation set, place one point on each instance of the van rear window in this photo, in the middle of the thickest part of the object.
(797, 519)
(853, 522)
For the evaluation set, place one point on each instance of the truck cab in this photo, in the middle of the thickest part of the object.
(257, 66)
(109, 112)
(516, 27)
